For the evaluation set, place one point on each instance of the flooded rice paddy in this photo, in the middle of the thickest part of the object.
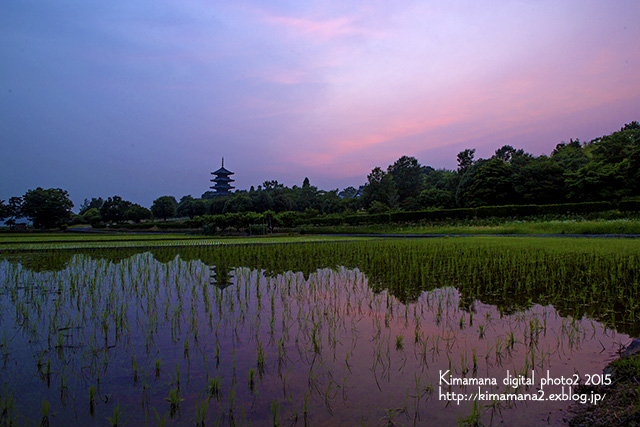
(372, 333)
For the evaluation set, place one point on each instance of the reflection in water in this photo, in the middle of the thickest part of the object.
(597, 278)
(317, 334)
(220, 276)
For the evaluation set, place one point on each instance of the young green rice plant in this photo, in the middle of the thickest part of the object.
(115, 418)
(44, 410)
(510, 340)
(174, 400)
(232, 400)
(186, 348)
(158, 366)
(481, 331)
(475, 361)
(201, 411)
(7, 407)
(252, 380)
(134, 368)
(160, 421)
(92, 399)
(399, 342)
(275, 414)
(417, 335)
(214, 386)
(464, 369)
(475, 417)
(217, 354)
(260, 358)
(47, 372)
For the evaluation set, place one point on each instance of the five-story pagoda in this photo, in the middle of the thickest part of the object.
(222, 181)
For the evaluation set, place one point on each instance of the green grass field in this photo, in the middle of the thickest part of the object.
(47, 241)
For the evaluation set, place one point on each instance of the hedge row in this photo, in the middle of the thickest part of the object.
(291, 219)
(629, 206)
(465, 213)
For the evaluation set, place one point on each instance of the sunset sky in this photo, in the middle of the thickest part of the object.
(142, 98)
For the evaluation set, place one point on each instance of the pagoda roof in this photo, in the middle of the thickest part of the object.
(221, 178)
(222, 171)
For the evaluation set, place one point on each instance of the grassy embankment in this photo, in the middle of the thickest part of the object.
(493, 226)
(622, 397)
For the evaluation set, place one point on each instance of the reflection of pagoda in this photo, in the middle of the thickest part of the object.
(220, 276)
(222, 181)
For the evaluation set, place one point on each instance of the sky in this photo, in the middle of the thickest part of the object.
(143, 98)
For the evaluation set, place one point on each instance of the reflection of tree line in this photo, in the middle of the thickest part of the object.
(512, 281)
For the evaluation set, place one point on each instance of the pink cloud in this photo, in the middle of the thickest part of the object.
(283, 76)
(324, 29)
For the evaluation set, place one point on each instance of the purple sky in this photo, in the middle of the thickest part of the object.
(142, 99)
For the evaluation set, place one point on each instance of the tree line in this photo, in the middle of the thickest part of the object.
(604, 169)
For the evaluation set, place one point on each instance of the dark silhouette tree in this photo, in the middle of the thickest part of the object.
(164, 207)
(137, 213)
(379, 188)
(465, 159)
(486, 183)
(3, 210)
(114, 209)
(95, 202)
(14, 211)
(48, 208)
(407, 178)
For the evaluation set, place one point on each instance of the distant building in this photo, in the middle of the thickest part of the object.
(222, 181)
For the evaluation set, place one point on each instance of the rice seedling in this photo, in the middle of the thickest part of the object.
(201, 411)
(116, 416)
(275, 414)
(174, 400)
(44, 410)
(92, 399)
(214, 386)
(399, 342)
(158, 366)
(252, 380)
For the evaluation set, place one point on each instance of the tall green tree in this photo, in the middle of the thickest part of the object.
(238, 202)
(92, 216)
(540, 180)
(114, 209)
(570, 157)
(14, 210)
(137, 213)
(307, 196)
(3, 210)
(379, 188)
(486, 183)
(407, 178)
(164, 207)
(597, 181)
(465, 159)
(47, 208)
(507, 153)
(94, 203)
